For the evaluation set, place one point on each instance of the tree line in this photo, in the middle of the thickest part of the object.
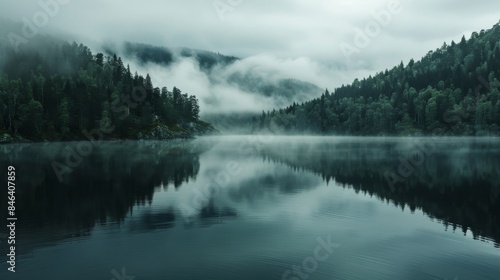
(454, 89)
(52, 89)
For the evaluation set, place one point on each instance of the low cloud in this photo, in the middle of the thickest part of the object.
(297, 39)
(217, 91)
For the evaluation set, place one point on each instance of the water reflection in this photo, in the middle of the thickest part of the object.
(126, 199)
(458, 183)
(104, 188)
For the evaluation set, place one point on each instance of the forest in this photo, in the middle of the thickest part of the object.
(167, 56)
(55, 90)
(454, 90)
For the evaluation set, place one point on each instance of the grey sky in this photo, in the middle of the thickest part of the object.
(302, 37)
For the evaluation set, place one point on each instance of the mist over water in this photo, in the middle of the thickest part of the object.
(160, 208)
(249, 206)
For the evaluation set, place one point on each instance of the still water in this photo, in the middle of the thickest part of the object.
(251, 207)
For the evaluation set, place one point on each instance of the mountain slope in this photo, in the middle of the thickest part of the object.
(166, 56)
(222, 70)
(54, 90)
(454, 90)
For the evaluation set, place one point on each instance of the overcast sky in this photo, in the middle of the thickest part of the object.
(291, 32)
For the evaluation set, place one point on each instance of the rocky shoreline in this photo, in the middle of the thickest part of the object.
(184, 131)
(157, 132)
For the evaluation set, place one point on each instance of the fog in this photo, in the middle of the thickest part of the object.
(218, 93)
(311, 41)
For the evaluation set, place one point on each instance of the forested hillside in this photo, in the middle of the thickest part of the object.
(165, 56)
(55, 90)
(454, 90)
(232, 74)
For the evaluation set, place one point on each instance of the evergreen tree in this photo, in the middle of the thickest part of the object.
(460, 80)
(57, 90)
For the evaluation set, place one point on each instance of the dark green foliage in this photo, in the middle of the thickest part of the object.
(161, 55)
(281, 91)
(51, 89)
(453, 90)
(147, 53)
(206, 59)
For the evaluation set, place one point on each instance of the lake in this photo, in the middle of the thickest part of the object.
(255, 207)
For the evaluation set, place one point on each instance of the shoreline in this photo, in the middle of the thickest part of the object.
(159, 132)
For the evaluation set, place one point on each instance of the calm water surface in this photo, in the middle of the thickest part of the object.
(256, 208)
